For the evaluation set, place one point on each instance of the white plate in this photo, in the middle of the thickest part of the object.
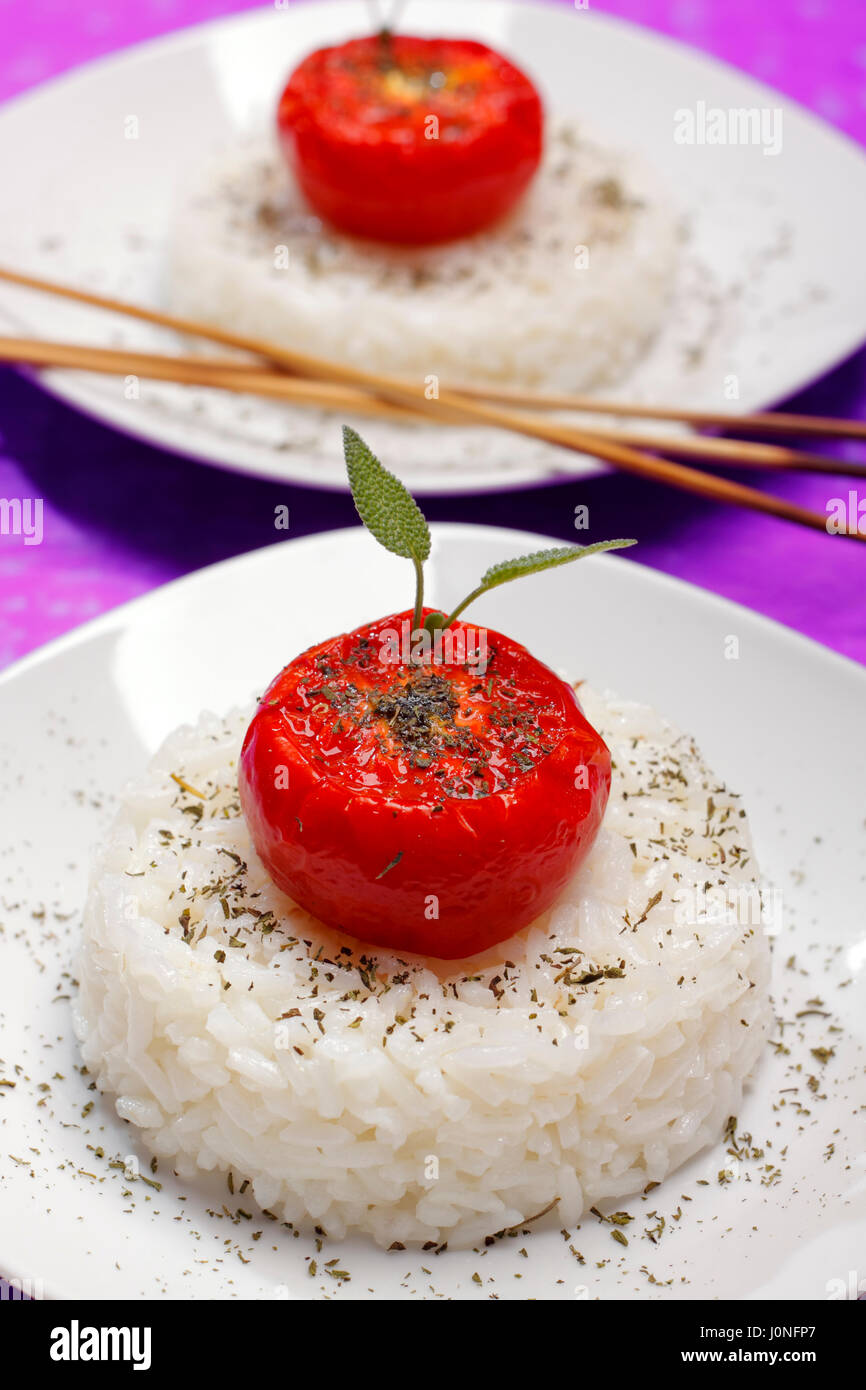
(782, 723)
(772, 290)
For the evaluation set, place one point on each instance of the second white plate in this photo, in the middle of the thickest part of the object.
(775, 250)
(779, 718)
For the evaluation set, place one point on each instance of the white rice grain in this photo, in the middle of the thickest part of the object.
(564, 294)
(397, 1097)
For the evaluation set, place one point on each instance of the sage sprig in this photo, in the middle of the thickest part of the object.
(387, 509)
(391, 514)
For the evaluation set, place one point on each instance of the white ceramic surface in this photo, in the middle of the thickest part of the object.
(775, 258)
(782, 722)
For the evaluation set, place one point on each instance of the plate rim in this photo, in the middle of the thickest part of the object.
(118, 616)
(255, 15)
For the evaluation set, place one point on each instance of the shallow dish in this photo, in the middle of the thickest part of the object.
(770, 289)
(777, 716)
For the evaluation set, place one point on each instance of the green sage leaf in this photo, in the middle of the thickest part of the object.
(507, 570)
(386, 507)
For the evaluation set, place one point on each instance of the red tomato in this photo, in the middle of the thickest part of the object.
(410, 140)
(433, 808)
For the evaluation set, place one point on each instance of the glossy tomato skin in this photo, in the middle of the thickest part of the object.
(432, 810)
(410, 140)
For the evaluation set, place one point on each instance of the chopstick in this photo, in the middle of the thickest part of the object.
(333, 396)
(776, 422)
(743, 453)
(765, 422)
(198, 371)
(235, 374)
(397, 390)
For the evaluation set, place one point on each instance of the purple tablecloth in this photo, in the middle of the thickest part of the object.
(118, 514)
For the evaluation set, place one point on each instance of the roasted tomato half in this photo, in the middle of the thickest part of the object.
(432, 806)
(410, 140)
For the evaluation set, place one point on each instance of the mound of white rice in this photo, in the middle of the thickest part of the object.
(564, 294)
(418, 1100)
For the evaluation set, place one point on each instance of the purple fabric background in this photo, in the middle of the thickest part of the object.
(121, 517)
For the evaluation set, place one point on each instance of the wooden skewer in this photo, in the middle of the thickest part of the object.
(743, 453)
(644, 465)
(335, 396)
(200, 371)
(404, 393)
(235, 374)
(775, 422)
(763, 422)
